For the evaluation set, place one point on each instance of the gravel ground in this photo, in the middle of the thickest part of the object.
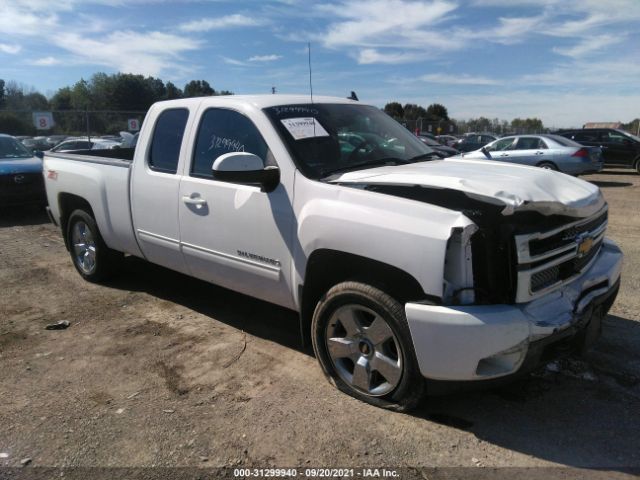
(158, 369)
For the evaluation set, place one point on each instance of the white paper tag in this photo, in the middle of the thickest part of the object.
(307, 127)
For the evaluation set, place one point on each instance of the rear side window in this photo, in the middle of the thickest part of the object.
(166, 141)
(565, 142)
(586, 136)
(223, 131)
(530, 143)
(613, 137)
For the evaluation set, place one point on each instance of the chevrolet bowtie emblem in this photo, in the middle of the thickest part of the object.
(584, 246)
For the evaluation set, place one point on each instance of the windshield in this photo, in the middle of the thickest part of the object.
(11, 148)
(326, 139)
(635, 137)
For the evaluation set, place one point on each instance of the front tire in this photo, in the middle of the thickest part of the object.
(548, 166)
(91, 257)
(361, 339)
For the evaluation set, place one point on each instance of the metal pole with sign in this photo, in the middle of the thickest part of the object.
(43, 120)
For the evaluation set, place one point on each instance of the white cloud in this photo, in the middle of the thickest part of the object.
(372, 55)
(370, 23)
(589, 45)
(219, 23)
(233, 61)
(45, 62)
(11, 49)
(387, 31)
(264, 58)
(148, 53)
(462, 79)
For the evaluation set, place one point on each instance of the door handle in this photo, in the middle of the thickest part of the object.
(504, 154)
(539, 153)
(197, 201)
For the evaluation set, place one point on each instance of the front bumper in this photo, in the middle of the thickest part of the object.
(22, 189)
(480, 342)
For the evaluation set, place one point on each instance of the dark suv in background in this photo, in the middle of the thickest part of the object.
(619, 148)
(473, 141)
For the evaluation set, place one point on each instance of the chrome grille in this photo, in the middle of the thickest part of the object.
(546, 260)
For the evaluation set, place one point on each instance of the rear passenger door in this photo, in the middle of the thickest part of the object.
(531, 151)
(155, 188)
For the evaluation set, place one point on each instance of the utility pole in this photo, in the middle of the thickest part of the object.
(88, 127)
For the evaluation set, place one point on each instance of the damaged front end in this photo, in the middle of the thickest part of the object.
(517, 281)
(484, 262)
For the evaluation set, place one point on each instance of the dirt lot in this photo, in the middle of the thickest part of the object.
(158, 369)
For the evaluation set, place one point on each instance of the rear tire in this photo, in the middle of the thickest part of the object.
(548, 166)
(362, 341)
(91, 257)
(636, 165)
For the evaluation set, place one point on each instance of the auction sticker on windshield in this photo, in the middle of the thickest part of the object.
(301, 128)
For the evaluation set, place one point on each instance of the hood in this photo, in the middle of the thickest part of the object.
(9, 166)
(514, 188)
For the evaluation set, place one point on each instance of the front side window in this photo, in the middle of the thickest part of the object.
(167, 139)
(613, 137)
(224, 131)
(500, 145)
(326, 139)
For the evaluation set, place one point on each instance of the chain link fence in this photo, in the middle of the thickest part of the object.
(94, 123)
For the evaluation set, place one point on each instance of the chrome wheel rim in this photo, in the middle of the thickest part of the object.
(364, 350)
(84, 247)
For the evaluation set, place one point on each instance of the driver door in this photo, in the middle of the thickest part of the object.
(234, 235)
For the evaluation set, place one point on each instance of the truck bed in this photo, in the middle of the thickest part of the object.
(102, 178)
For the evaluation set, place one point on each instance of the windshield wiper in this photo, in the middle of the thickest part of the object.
(423, 156)
(380, 162)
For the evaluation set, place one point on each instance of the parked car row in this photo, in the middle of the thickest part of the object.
(65, 143)
(552, 152)
(619, 148)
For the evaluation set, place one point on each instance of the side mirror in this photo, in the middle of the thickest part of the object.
(486, 152)
(246, 169)
(39, 154)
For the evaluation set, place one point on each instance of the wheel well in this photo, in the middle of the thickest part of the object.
(68, 203)
(547, 162)
(326, 268)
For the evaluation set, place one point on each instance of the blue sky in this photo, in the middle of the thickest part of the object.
(565, 61)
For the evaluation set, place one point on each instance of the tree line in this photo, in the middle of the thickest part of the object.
(103, 95)
(416, 116)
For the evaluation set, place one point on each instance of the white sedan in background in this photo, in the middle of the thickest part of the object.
(75, 144)
(552, 152)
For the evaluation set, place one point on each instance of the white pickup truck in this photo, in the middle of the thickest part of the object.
(403, 267)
